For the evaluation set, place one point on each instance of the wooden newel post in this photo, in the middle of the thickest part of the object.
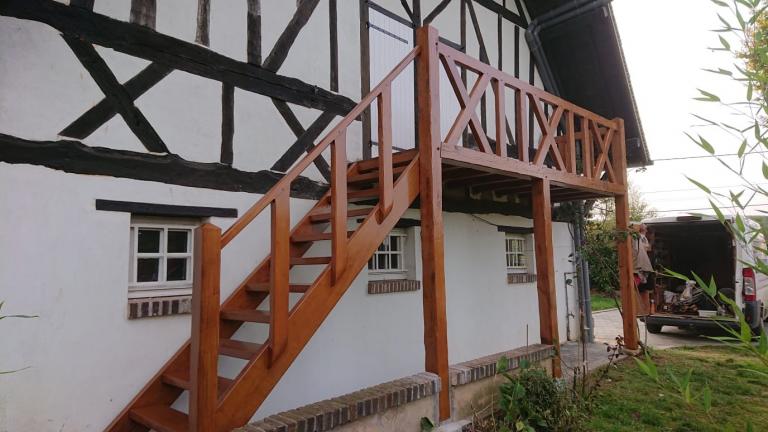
(203, 372)
(545, 269)
(626, 276)
(431, 203)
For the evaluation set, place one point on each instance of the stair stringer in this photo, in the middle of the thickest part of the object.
(257, 379)
(155, 392)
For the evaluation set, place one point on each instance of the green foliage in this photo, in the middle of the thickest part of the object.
(599, 248)
(723, 396)
(533, 401)
(427, 425)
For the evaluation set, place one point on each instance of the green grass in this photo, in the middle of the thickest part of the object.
(601, 302)
(632, 402)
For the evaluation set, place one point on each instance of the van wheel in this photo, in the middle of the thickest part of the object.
(654, 328)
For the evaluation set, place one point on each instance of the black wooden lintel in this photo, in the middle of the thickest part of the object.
(153, 209)
(514, 230)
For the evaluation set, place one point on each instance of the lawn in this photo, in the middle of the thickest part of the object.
(601, 301)
(631, 401)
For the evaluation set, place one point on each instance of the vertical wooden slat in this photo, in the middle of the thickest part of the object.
(227, 123)
(501, 118)
(203, 394)
(254, 32)
(384, 104)
(202, 34)
(586, 147)
(143, 12)
(545, 268)
(333, 33)
(521, 130)
(339, 203)
(570, 143)
(279, 273)
(431, 200)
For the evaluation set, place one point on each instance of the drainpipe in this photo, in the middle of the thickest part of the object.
(584, 286)
(551, 19)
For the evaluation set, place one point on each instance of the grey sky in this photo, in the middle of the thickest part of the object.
(666, 46)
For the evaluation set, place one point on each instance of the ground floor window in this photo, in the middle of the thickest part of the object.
(161, 257)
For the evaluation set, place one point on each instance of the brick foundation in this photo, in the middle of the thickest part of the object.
(383, 407)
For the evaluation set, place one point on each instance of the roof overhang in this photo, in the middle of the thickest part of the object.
(578, 50)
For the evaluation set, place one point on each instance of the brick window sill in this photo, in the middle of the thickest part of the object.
(147, 307)
(393, 286)
(520, 278)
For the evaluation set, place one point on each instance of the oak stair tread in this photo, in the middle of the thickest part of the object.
(372, 176)
(312, 237)
(360, 194)
(325, 215)
(398, 158)
(180, 379)
(248, 315)
(239, 349)
(310, 260)
(161, 418)
(264, 287)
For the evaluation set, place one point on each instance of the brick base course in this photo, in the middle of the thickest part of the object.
(336, 412)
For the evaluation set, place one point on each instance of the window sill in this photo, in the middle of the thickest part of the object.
(520, 278)
(393, 286)
(147, 307)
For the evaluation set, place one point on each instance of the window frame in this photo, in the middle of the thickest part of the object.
(522, 254)
(162, 287)
(403, 270)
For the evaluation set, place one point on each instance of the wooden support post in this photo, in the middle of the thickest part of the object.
(431, 201)
(626, 276)
(545, 268)
(280, 267)
(203, 392)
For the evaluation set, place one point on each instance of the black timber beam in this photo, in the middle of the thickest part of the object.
(75, 157)
(139, 41)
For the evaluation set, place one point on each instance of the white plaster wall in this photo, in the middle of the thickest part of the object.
(37, 67)
(68, 263)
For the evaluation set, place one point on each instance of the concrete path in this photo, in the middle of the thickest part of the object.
(608, 325)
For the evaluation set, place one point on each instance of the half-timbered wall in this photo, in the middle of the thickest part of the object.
(67, 262)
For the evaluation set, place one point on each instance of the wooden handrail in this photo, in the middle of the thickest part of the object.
(316, 151)
(560, 139)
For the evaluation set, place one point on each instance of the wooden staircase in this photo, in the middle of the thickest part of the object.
(363, 204)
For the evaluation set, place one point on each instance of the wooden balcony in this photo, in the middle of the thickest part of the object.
(580, 153)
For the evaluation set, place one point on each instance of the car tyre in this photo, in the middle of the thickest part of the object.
(654, 328)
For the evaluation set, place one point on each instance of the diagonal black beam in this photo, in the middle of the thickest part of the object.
(116, 94)
(304, 142)
(103, 111)
(273, 62)
(436, 11)
(492, 6)
(408, 10)
(139, 41)
(284, 43)
(302, 135)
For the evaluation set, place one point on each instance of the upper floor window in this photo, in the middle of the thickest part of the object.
(161, 258)
(390, 256)
(516, 253)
